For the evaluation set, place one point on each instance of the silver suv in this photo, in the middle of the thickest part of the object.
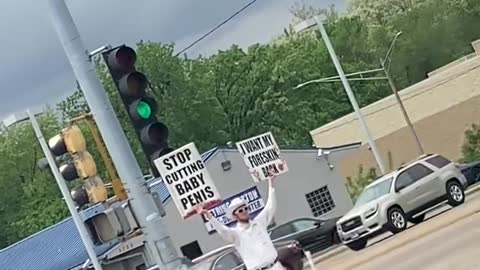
(400, 196)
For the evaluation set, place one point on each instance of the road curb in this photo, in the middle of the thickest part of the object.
(473, 189)
(435, 227)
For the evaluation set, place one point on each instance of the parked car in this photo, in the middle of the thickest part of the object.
(400, 196)
(312, 233)
(471, 171)
(290, 254)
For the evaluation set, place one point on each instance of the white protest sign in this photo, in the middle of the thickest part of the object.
(187, 180)
(262, 155)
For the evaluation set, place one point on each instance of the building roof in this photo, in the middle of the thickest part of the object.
(59, 247)
(439, 92)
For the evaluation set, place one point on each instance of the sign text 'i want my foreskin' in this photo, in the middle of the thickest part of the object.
(263, 158)
(258, 144)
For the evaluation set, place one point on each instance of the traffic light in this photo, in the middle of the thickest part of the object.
(80, 196)
(141, 108)
(111, 223)
(71, 141)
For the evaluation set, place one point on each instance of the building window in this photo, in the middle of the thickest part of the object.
(320, 201)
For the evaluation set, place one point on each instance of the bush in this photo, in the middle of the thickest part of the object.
(356, 185)
(471, 145)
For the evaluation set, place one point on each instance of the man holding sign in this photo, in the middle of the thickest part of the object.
(250, 236)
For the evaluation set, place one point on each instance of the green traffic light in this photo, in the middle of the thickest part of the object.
(144, 110)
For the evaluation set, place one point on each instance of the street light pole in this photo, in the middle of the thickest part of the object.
(77, 220)
(420, 149)
(397, 97)
(317, 20)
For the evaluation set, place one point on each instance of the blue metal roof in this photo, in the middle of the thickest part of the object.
(59, 247)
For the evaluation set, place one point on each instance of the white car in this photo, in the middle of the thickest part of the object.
(400, 196)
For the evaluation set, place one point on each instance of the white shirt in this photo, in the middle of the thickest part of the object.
(252, 240)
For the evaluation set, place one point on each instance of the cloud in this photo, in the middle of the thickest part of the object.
(258, 25)
(34, 67)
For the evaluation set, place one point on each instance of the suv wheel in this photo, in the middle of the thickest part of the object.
(358, 244)
(418, 219)
(397, 221)
(455, 193)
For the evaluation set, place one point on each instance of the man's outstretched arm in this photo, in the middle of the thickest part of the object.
(266, 215)
(225, 232)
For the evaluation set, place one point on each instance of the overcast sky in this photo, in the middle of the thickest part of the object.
(35, 70)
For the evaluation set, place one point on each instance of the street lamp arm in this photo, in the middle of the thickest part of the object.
(314, 81)
(358, 79)
(391, 47)
(336, 78)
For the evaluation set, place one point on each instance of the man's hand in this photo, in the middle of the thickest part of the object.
(271, 177)
(202, 211)
(255, 174)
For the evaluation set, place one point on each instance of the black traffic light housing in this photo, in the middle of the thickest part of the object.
(141, 108)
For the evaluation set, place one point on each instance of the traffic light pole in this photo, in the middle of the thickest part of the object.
(159, 246)
(82, 230)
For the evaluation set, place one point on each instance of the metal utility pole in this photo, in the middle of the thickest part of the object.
(359, 76)
(404, 111)
(318, 21)
(82, 230)
(159, 246)
(397, 96)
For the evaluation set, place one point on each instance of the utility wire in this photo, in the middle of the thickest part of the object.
(216, 27)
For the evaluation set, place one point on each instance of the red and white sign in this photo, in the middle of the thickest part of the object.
(187, 180)
(262, 155)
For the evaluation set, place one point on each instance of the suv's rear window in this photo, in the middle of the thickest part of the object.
(438, 161)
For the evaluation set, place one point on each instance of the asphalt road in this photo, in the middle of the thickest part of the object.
(455, 247)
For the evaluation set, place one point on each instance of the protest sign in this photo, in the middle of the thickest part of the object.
(187, 180)
(262, 155)
(255, 205)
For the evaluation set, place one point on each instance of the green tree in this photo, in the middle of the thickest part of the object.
(73, 106)
(246, 88)
(379, 12)
(420, 51)
(182, 88)
(30, 198)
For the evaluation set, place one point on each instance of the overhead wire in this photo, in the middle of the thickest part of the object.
(217, 27)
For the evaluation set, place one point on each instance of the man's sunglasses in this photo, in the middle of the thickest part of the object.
(241, 210)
